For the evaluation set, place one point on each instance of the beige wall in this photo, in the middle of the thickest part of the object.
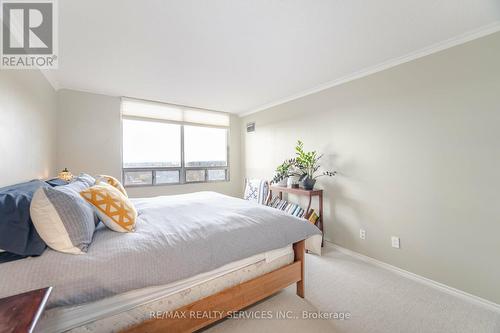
(418, 155)
(89, 133)
(90, 141)
(27, 126)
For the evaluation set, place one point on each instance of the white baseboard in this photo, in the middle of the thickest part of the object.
(431, 283)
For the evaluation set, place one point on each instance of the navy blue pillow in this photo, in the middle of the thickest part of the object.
(7, 257)
(57, 182)
(17, 232)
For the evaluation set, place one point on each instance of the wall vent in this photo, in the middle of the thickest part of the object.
(251, 127)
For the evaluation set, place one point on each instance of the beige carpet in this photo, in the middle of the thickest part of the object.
(285, 304)
(378, 300)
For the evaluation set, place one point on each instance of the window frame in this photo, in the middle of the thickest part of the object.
(182, 168)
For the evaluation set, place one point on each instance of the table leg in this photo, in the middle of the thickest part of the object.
(321, 217)
(309, 206)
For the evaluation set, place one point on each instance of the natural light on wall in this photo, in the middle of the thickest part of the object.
(170, 144)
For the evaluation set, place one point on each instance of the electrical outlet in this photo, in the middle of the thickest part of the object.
(362, 234)
(395, 242)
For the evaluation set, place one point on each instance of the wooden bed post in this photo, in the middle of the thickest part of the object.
(227, 301)
(299, 250)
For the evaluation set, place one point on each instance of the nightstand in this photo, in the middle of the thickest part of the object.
(20, 313)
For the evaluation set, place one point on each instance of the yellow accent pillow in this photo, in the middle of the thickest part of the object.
(113, 208)
(113, 182)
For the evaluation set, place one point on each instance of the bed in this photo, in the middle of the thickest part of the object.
(197, 252)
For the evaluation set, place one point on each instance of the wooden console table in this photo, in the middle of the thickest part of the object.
(20, 313)
(303, 192)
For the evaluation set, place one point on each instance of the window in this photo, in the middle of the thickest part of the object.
(205, 146)
(150, 144)
(168, 144)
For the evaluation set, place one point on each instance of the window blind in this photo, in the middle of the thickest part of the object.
(171, 112)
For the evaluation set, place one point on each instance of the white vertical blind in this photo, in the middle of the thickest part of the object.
(170, 112)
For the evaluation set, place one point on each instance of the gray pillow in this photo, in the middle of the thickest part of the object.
(74, 188)
(63, 219)
(86, 179)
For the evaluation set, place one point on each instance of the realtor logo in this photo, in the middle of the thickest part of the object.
(29, 34)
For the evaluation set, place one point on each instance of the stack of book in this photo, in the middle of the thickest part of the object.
(313, 216)
(290, 208)
(294, 209)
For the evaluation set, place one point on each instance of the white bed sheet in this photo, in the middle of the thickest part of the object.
(66, 318)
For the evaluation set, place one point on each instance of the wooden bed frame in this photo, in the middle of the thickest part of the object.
(194, 316)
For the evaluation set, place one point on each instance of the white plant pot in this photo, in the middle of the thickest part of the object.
(283, 182)
(291, 180)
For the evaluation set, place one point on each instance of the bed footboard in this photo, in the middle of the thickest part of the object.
(299, 250)
(210, 309)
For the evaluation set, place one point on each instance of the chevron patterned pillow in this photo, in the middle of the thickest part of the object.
(111, 181)
(113, 208)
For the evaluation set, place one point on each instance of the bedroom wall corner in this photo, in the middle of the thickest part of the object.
(27, 126)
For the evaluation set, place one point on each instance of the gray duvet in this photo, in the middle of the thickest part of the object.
(176, 237)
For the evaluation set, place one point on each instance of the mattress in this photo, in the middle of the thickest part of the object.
(123, 310)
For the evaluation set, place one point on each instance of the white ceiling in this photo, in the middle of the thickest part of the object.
(239, 56)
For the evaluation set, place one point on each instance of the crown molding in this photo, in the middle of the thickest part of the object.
(50, 78)
(434, 48)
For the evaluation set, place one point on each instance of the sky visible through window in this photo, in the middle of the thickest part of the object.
(205, 146)
(149, 144)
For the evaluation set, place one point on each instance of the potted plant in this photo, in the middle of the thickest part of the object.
(283, 171)
(307, 165)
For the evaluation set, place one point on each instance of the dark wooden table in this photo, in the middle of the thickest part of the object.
(20, 313)
(303, 192)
